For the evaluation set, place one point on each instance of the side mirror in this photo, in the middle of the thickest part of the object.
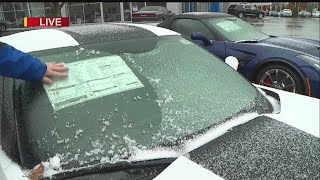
(170, 11)
(201, 37)
(233, 62)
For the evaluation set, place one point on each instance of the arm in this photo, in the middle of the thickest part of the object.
(20, 65)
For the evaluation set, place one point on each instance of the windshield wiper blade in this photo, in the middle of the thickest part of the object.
(106, 168)
(247, 41)
(251, 40)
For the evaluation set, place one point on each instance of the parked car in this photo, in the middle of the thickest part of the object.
(290, 64)
(137, 97)
(274, 13)
(244, 10)
(304, 14)
(4, 25)
(286, 13)
(152, 13)
(316, 14)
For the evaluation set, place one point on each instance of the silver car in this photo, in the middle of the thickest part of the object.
(316, 14)
(286, 13)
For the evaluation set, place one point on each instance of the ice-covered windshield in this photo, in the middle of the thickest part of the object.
(235, 29)
(124, 96)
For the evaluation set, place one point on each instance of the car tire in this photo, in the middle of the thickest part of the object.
(260, 15)
(3, 28)
(282, 81)
(241, 15)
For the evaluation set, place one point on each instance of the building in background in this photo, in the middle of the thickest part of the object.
(78, 12)
(12, 13)
(202, 7)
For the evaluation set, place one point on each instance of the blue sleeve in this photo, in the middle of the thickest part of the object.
(20, 65)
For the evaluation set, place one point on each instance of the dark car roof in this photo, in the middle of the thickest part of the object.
(106, 32)
(193, 15)
(202, 15)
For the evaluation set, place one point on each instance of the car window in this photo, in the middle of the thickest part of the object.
(235, 29)
(188, 26)
(154, 91)
(247, 7)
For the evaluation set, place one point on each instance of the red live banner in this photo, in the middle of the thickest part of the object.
(46, 22)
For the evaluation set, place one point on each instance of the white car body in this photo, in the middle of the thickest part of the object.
(316, 14)
(286, 12)
(294, 107)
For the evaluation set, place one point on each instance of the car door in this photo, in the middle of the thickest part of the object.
(187, 26)
(1, 98)
(247, 10)
(254, 11)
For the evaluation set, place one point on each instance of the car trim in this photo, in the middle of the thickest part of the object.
(308, 86)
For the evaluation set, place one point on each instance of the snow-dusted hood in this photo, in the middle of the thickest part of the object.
(302, 45)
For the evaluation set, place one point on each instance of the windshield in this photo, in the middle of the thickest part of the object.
(125, 96)
(235, 29)
(150, 8)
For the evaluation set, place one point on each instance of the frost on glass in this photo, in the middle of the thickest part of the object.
(186, 90)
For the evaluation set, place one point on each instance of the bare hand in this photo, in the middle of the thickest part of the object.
(54, 70)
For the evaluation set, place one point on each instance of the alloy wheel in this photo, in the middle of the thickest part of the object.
(2, 28)
(279, 79)
(241, 15)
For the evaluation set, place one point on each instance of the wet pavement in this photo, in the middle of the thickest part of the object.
(292, 27)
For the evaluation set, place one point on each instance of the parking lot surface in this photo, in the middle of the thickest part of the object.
(293, 27)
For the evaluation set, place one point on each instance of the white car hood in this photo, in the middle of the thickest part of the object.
(184, 168)
(297, 110)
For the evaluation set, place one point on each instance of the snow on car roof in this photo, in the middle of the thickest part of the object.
(42, 39)
(156, 30)
(114, 31)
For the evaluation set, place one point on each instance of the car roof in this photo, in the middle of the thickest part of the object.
(202, 15)
(154, 6)
(43, 39)
(192, 15)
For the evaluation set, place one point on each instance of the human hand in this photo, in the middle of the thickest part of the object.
(54, 70)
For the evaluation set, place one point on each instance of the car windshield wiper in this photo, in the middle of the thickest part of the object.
(106, 168)
(247, 41)
(251, 40)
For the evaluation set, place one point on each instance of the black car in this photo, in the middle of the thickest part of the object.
(245, 10)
